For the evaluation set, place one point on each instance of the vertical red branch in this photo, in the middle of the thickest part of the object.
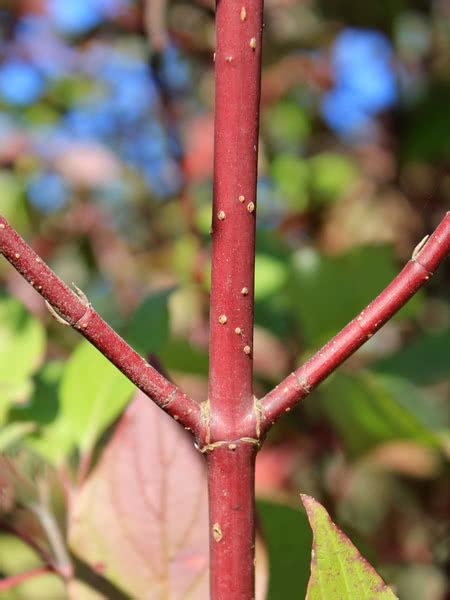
(231, 486)
(238, 76)
(231, 461)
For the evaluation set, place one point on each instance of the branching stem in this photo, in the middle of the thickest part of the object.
(231, 424)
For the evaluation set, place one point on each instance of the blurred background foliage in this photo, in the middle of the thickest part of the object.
(106, 141)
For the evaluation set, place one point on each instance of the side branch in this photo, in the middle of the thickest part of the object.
(74, 310)
(424, 261)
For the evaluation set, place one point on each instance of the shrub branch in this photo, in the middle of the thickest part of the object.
(74, 310)
(425, 259)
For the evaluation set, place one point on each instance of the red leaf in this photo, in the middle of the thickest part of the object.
(143, 512)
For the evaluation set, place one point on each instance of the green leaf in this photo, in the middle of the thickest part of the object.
(52, 438)
(17, 557)
(270, 275)
(180, 355)
(274, 314)
(331, 176)
(426, 407)
(291, 174)
(327, 292)
(287, 124)
(426, 129)
(338, 571)
(43, 406)
(148, 330)
(22, 345)
(288, 541)
(368, 410)
(13, 204)
(425, 361)
(93, 393)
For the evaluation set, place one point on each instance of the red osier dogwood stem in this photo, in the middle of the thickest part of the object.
(230, 443)
(230, 426)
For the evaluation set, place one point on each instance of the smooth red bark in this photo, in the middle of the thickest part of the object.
(230, 425)
(82, 317)
(238, 75)
(416, 273)
(231, 486)
(231, 465)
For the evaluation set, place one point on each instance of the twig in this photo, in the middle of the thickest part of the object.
(425, 259)
(74, 311)
(155, 23)
(11, 582)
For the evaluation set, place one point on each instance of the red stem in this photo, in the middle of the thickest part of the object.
(11, 582)
(231, 475)
(238, 70)
(231, 423)
(231, 463)
(84, 319)
(415, 274)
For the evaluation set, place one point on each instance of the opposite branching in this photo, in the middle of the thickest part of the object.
(230, 425)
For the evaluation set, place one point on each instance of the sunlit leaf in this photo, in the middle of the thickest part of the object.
(52, 436)
(12, 200)
(77, 590)
(93, 392)
(22, 345)
(331, 176)
(270, 275)
(290, 174)
(338, 570)
(17, 557)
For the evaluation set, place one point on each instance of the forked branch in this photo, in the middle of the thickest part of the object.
(75, 311)
(424, 261)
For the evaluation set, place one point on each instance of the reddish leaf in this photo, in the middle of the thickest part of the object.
(143, 512)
